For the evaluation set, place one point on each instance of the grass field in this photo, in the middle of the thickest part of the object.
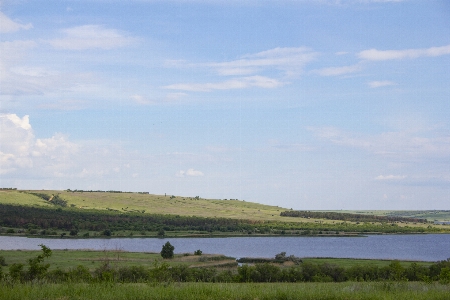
(66, 259)
(200, 291)
(179, 205)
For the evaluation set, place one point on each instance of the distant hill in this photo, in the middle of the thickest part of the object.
(146, 203)
(125, 202)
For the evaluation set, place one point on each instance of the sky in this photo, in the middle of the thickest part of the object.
(307, 104)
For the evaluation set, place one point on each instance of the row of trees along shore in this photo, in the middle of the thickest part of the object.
(36, 270)
(348, 216)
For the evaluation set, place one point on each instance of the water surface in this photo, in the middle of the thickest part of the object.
(426, 247)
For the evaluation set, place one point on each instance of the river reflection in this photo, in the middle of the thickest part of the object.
(427, 247)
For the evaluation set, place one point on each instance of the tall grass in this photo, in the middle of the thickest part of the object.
(198, 291)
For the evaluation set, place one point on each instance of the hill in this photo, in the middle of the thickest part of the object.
(96, 212)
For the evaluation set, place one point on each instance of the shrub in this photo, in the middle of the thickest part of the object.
(167, 251)
(3, 261)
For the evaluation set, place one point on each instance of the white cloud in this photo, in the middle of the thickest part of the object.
(192, 172)
(91, 37)
(336, 71)
(380, 55)
(390, 177)
(8, 25)
(237, 83)
(19, 149)
(189, 172)
(390, 144)
(169, 97)
(377, 84)
(139, 99)
(289, 60)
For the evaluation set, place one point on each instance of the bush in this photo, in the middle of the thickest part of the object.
(79, 274)
(198, 252)
(3, 261)
(167, 251)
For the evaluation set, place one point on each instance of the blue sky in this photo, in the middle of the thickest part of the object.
(302, 104)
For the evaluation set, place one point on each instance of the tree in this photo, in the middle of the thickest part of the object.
(167, 250)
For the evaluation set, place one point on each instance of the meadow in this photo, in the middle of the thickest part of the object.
(200, 291)
(66, 259)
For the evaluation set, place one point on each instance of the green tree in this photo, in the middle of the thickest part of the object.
(36, 268)
(167, 250)
(161, 232)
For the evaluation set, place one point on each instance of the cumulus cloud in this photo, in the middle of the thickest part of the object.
(380, 55)
(377, 84)
(237, 83)
(8, 25)
(20, 149)
(91, 37)
(189, 172)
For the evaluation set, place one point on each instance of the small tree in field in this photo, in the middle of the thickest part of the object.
(167, 250)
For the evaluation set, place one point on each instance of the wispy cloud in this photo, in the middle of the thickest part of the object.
(91, 37)
(289, 60)
(8, 25)
(377, 84)
(380, 55)
(390, 144)
(281, 63)
(390, 177)
(336, 71)
(189, 172)
(237, 83)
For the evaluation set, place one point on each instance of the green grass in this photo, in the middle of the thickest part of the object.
(66, 259)
(199, 291)
(350, 262)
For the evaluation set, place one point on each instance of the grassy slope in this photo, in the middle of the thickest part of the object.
(160, 204)
(155, 204)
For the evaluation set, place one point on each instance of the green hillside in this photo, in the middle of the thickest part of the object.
(95, 211)
(148, 203)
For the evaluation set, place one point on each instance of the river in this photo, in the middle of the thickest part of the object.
(426, 247)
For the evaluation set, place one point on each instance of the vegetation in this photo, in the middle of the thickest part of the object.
(203, 291)
(313, 280)
(282, 269)
(348, 216)
(75, 213)
(167, 251)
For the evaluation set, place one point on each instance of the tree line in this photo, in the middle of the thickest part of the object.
(348, 216)
(48, 219)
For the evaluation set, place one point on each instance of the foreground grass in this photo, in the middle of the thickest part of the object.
(67, 259)
(198, 291)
